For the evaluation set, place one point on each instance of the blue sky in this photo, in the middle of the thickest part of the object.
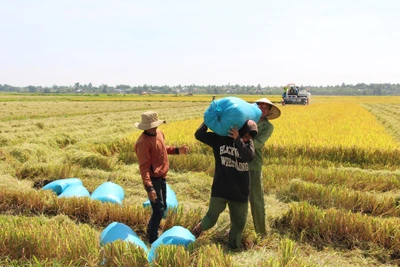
(172, 42)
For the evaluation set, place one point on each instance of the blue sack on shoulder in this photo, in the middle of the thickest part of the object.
(230, 111)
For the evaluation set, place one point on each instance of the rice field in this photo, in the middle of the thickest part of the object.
(331, 181)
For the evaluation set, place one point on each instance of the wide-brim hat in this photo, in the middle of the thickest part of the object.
(149, 120)
(274, 111)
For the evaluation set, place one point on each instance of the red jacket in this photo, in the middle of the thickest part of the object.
(152, 156)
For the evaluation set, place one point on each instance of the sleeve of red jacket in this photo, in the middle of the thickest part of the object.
(172, 150)
(144, 160)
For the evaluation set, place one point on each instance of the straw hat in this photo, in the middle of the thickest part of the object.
(149, 120)
(274, 112)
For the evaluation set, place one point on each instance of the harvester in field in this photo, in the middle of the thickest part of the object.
(294, 95)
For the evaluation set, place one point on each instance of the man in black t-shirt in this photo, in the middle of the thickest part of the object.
(231, 178)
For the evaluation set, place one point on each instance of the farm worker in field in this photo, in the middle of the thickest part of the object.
(231, 178)
(265, 128)
(152, 157)
(285, 89)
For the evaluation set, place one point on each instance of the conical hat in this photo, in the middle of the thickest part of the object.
(274, 112)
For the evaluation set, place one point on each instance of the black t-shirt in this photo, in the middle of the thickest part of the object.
(231, 177)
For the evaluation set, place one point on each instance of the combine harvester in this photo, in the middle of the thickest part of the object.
(294, 95)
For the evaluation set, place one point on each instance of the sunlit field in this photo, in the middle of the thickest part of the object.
(331, 181)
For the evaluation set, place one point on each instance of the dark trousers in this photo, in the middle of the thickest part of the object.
(257, 205)
(238, 215)
(159, 207)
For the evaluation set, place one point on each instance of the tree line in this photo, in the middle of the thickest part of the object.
(382, 89)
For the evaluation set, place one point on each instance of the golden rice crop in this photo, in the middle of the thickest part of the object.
(333, 125)
(341, 198)
(335, 226)
(336, 145)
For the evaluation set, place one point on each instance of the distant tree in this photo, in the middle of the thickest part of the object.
(7, 88)
(77, 85)
(122, 86)
(32, 89)
(103, 88)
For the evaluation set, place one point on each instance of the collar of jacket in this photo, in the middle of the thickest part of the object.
(149, 134)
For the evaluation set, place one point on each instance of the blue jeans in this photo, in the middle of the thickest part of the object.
(158, 208)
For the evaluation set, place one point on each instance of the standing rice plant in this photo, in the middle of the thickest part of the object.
(182, 217)
(32, 169)
(212, 255)
(122, 254)
(127, 153)
(109, 148)
(34, 262)
(35, 140)
(192, 162)
(277, 176)
(79, 209)
(289, 256)
(340, 197)
(345, 228)
(26, 151)
(64, 139)
(28, 202)
(300, 129)
(345, 155)
(365, 143)
(98, 213)
(25, 238)
(172, 255)
(90, 160)
(388, 114)
(127, 156)
(64, 170)
(288, 252)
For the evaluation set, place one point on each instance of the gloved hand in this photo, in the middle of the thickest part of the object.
(152, 195)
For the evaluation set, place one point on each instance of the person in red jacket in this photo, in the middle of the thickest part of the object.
(152, 157)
